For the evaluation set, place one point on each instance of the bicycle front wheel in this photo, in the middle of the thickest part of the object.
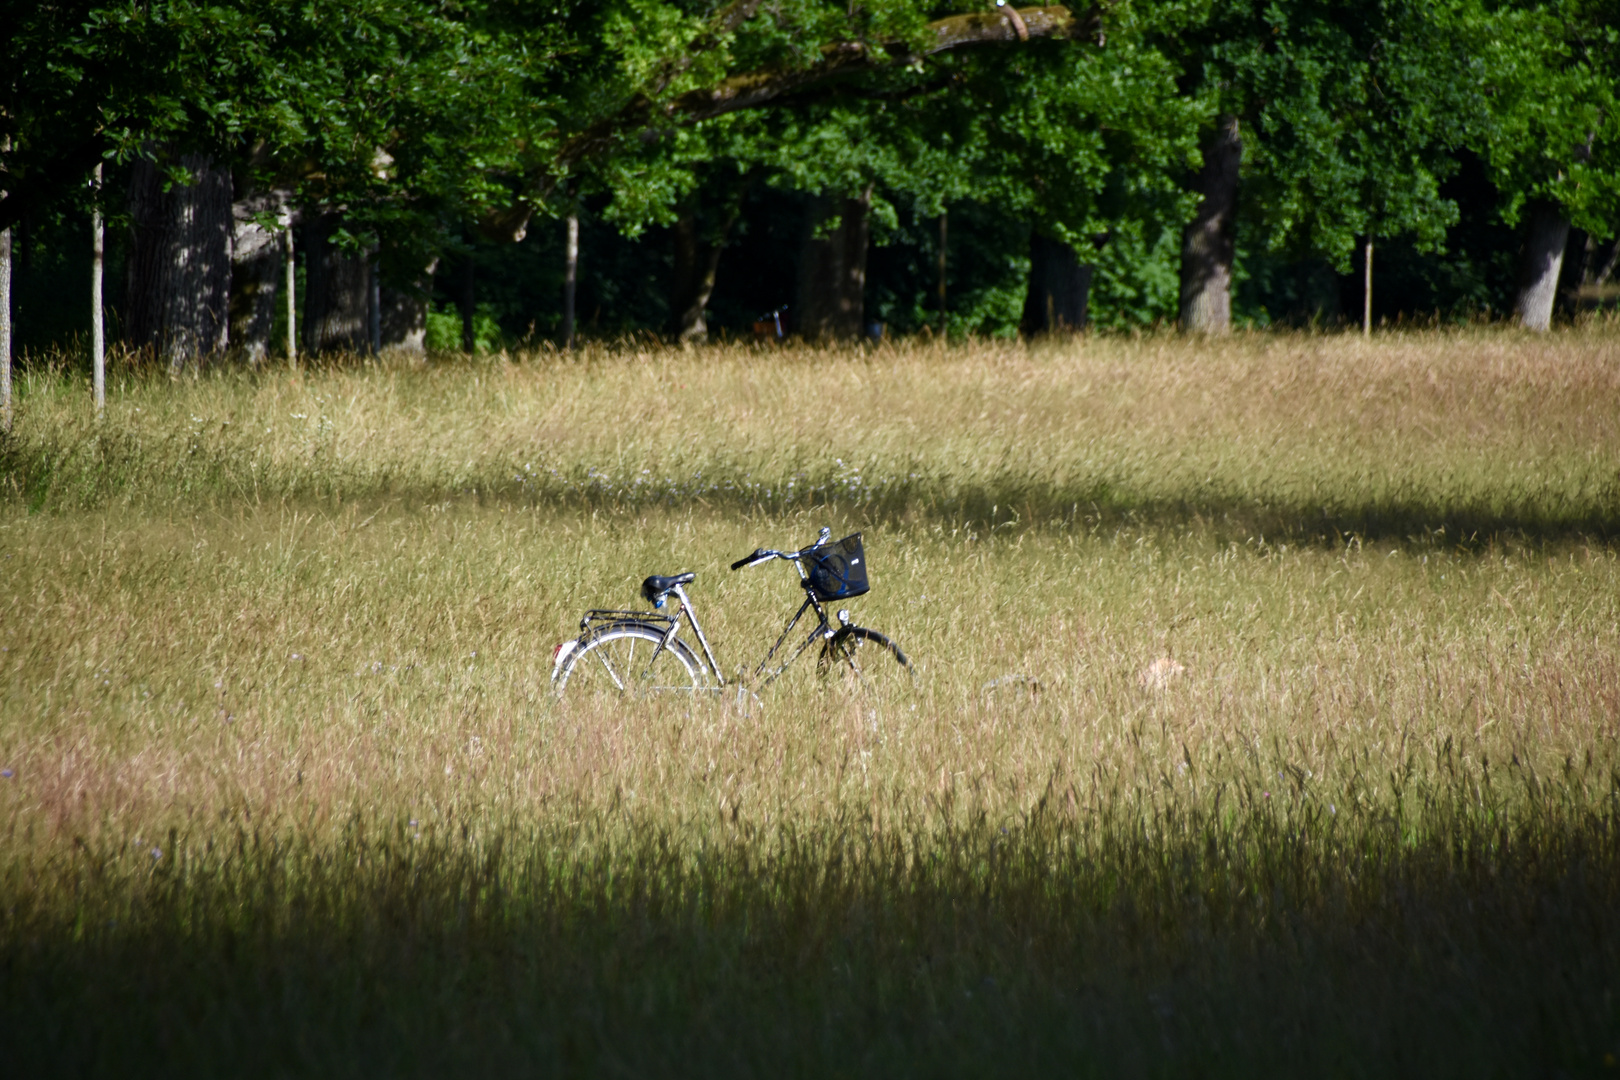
(865, 659)
(630, 658)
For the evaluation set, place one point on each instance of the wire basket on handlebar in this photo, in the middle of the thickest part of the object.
(838, 570)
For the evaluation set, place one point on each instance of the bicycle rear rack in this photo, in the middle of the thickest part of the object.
(603, 615)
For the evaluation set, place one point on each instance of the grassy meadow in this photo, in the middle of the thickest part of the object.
(1265, 716)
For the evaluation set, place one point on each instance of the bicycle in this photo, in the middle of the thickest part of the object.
(768, 327)
(635, 652)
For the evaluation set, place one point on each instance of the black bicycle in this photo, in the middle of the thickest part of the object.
(637, 652)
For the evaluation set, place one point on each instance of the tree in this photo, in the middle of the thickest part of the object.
(179, 266)
(1550, 73)
(849, 94)
(1329, 121)
(388, 112)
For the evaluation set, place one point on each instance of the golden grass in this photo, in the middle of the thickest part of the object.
(1254, 637)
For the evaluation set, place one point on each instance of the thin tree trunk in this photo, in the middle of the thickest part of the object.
(695, 268)
(1598, 262)
(466, 302)
(686, 321)
(256, 256)
(1059, 293)
(944, 249)
(1207, 244)
(314, 238)
(180, 262)
(374, 302)
(5, 329)
(570, 280)
(832, 269)
(291, 286)
(1601, 278)
(1366, 289)
(98, 329)
(1546, 233)
(5, 315)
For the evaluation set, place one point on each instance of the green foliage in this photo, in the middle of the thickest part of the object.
(1551, 75)
(1347, 111)
(1137, 278)
(444, 327)
(417, 118)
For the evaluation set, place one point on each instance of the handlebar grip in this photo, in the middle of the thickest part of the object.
(758, 554)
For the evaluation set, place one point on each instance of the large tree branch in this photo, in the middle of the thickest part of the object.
(843, 59)
(838, 60)
(754, 89)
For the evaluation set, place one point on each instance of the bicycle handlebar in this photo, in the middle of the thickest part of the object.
(759, 555)
(763, 554)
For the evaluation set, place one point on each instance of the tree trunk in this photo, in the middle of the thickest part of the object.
(696, 265)
(1207, 243)
(1598, 260)
(179, 271)
(1059, 290)
(98, 326)
(1546, 232)
(256, 272)
(1366, 288)
(832, 269)
(5, 330)
(467, 302)
(373, 302)
(570, 280)
(336, 291)
(290, 286)
(402, 313)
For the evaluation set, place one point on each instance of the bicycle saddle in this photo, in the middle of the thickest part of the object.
(656, 586)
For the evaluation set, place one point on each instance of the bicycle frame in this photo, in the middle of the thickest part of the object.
(823, 630)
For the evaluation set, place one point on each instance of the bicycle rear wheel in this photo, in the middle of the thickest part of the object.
(626, 658)
(865, 659)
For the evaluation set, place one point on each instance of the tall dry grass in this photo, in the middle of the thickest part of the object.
(287, 779)
(1492, 431)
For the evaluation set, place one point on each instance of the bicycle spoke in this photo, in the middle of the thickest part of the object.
(632, 660)
(601, 654)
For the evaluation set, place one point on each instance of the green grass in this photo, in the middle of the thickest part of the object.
(290, 795)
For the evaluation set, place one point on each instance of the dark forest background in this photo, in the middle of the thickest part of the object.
(845, 171)
(624, 281)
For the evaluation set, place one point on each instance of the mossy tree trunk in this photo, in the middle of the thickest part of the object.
(1208, 242)
(257, 271)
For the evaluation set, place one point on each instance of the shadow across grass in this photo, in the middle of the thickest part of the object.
(1293, 941)
(114, 468)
